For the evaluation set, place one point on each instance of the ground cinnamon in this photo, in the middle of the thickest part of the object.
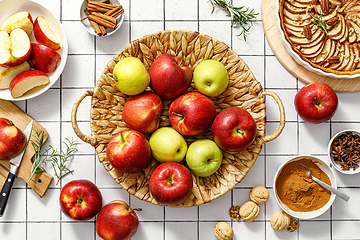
(298, 191)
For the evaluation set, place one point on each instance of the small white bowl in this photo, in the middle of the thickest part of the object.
(307, 215)
(90, 28)
(337, 166)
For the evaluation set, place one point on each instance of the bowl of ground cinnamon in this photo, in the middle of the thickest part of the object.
(297, 194)
(101, 17)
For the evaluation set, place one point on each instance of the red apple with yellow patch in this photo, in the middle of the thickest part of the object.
(80, 199)
(129, 151)
(169, 76)
(192, 113)
(142, 112)
(117, 221)
(12, 139)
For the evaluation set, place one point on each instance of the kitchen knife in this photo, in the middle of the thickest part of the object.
(14, 164)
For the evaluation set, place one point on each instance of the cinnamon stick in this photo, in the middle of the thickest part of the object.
(102, 21)
(96, 27)
(105, 17)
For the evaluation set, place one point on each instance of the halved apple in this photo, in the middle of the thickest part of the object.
(43, 58)
(27, 80)
(7, 74)
(15, 47)
(44, 35)
(21, 20)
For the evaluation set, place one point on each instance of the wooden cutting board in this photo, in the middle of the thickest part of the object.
(21, 119)
(268, 11)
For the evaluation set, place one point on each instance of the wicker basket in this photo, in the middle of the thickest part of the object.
(192, 47)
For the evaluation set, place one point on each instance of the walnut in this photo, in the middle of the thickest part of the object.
(280, 221)
(249, 211)
(223, 231)
(259, 194)
(293, 225)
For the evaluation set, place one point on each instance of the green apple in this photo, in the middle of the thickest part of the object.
(131, 76)
(204, 157)
(211, 77)
(167, 145)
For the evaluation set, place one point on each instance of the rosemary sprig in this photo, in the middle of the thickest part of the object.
(319, 22)
(59, 160)
(240, 16)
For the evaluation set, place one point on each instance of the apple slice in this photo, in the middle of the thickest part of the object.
(21, 20)
(44, 35)
(27, 80)
(43, 58)
(15, 47)
(7, 74)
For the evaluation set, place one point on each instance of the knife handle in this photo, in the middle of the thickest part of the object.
(5, 192)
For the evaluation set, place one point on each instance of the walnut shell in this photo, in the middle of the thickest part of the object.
(223, 231)
(259, 194)
(280, 221)
(249, 211)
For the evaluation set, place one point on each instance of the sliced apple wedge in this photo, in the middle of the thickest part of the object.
(44, 35)
(15, 47)
(7, 74)
(21, 20)
(26, 81)
(43, 58)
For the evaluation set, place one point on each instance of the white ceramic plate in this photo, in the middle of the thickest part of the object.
(90, 28)
(336, 165)
(298, 59)
(307, 215)
(9, 7)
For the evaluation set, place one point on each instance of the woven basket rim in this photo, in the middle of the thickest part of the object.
(192, 47)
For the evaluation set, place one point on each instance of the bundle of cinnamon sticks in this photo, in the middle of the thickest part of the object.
(102, 15)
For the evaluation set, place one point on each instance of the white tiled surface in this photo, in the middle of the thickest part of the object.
(29, 217)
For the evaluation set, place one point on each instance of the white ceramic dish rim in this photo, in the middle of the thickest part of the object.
(298, 59)
(8, 7)
(307, 215)
(336, 165)
(89, 28)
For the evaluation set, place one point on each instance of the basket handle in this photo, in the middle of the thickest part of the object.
(88, 139)
(275, 134)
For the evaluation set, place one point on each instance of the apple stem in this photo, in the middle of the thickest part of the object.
(212, 160)
(121, 137)
(136, 209)
(178, 114)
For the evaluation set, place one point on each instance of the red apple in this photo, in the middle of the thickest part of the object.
(21, 20)
(192, 113)
(142, 112)
(117, 221)
(25, 81)
(8, 74)
(316, 102)
(44, 35)
(234, 129)
(43, 58)
(129, 151)
(80, 200)
(15, 47)
(12, 139)
(169, 76)
(171, 183)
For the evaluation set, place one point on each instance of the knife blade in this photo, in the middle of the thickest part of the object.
(14, 164)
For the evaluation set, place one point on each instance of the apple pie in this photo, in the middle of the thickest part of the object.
(324, 33)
